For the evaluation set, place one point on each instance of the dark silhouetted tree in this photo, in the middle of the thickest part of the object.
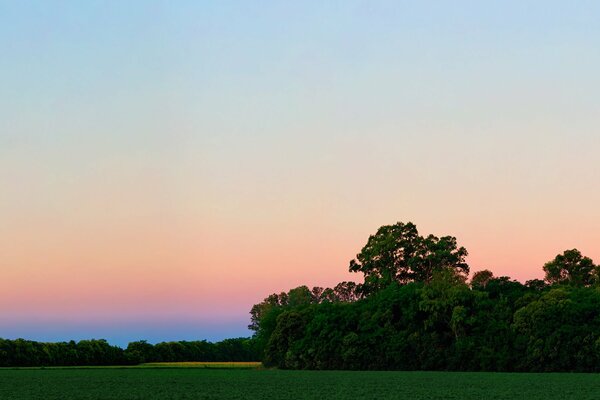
(397, 253)
(571, 268)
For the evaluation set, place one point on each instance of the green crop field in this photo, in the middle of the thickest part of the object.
(209, 383)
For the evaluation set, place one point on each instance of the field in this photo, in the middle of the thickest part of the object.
(200, 364)
(201, 382)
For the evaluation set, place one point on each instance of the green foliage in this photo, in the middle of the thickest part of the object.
(26, 353)
(480, 279)
(560, 331)
(240, 349)
(241, 384)
(415, 311)
(440, 325)
(397, 253)
(264, 316)
(571, 268)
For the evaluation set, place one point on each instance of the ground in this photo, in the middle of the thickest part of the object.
(203, 381)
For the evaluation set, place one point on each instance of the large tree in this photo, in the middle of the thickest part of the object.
(572, 268)
(397, 253)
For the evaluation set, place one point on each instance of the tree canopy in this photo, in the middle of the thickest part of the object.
(571, 267)
(397, 253)
(27, 353)
(415, 310)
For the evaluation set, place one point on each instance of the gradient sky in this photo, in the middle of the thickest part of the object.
(165, 165)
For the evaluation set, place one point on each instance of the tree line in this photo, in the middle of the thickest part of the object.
(417, 310)
(27, 353)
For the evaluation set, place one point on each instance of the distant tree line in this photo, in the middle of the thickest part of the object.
(27, 353)
(416, 310)
(240, 349)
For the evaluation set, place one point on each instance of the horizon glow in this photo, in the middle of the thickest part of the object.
(166, 166)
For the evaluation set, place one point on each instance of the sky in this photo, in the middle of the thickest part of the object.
(166, 165)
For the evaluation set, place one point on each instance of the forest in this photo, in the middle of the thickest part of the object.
(27, 353)
(417, 310)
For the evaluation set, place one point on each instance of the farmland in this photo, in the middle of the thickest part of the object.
(212, 382)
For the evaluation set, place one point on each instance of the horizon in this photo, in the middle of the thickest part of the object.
(167, 166)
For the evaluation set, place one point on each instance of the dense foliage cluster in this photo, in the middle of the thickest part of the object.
(26, 353)
(416, 310)
(241, 349)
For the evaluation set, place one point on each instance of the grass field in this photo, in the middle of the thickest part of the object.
(208, 383)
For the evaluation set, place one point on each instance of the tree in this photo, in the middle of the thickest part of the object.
(397, 253)
(444, 301)
(300, 296)
(290, 327)
(481, 278)
(571, 268)
(259, 310)
(140, 352)
(559, 330)
(346, 292)
(536, 284)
